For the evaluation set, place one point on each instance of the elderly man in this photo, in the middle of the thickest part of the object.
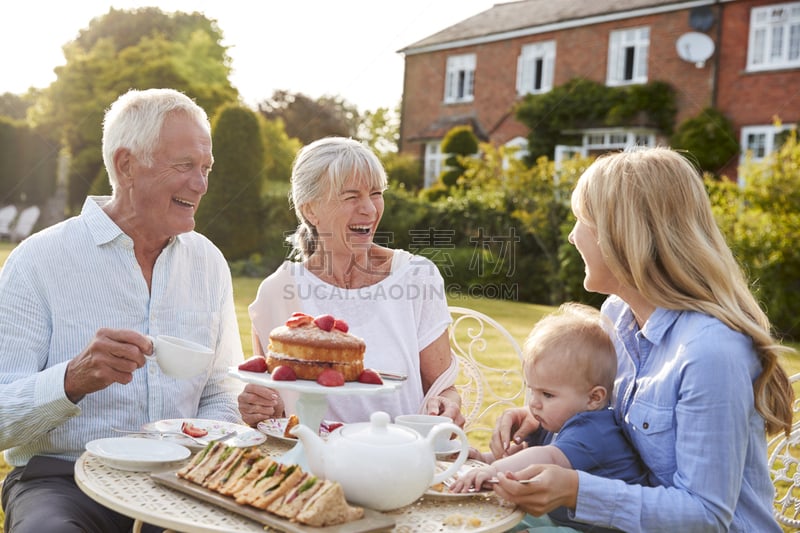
(78, 300)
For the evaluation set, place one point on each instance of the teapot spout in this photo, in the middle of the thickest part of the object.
(313, 446)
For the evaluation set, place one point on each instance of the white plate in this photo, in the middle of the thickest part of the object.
(137, 455)
(274, 427)
(246, 436)
(444, 493)
(312, 387)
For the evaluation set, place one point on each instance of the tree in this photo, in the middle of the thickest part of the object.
(121, 50)
(709, 137)
(459, 143)
(761, 221)
(380, 129)
(14, 106)
(308, 119)
(230, 213)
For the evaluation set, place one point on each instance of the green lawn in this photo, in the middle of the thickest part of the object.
(518, 318)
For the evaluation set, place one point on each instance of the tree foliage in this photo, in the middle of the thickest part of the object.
(761, 221)
(460, 142)
(553, 117)
(709, 137)
(124, 50)
(28, 164)
(230, 213)
(308, 119)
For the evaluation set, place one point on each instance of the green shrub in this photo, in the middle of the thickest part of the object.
(709, 137)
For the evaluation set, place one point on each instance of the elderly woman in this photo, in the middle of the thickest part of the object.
(392, 299)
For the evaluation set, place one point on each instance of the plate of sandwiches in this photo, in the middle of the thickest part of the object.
(442, 490)
(278, 428)
(251, 483)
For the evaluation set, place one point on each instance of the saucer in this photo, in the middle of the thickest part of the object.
(137, 455)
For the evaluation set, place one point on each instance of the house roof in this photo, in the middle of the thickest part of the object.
(527, 17)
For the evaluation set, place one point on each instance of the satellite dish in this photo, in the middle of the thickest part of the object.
(695, 47)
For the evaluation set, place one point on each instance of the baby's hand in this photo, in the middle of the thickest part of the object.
(484, 457)
(473, 480)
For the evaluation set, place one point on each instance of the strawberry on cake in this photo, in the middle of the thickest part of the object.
(310, 345)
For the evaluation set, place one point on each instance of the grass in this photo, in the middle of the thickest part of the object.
(517, 317)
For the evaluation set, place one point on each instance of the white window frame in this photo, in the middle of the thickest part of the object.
(565, 152)
(774, 41)
(535, 68)
(627, 56)
(459, 83)
(434, 163)
(766, 134)
(616, 139)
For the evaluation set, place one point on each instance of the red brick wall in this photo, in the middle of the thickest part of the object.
(580, 52)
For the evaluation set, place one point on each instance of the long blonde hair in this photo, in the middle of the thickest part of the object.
(657, 234)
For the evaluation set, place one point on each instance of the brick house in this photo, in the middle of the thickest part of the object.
(742, 57)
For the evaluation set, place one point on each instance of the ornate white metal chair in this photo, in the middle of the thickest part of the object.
(784, 465)
(490, 376)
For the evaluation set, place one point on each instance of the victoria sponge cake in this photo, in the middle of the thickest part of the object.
(311, 345)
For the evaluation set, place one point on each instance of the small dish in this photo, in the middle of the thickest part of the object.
(441, 490)
(137, 455)
(275, 427)
(245, 435)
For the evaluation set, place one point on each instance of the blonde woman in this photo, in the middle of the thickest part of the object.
(699, 385)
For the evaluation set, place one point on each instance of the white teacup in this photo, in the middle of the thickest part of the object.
(179, 358)
(423, 424)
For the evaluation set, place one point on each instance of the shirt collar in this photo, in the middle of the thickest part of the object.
(102, 229)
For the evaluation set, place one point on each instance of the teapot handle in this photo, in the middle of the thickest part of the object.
(462, 454)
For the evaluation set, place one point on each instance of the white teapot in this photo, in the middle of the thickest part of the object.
(379, 465)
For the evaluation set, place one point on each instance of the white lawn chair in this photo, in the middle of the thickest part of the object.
(490, 378)
(25, 223)
(7, 216)
(784, 466)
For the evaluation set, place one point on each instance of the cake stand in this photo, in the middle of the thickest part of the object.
(312, 402)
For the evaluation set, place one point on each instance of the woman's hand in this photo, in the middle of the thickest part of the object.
(257, 403)
(512, 426)
(446, 406)
(552, 486)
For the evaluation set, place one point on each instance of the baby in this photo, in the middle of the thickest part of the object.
(569, 364)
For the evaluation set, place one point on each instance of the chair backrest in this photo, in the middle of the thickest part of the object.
(7, 216)
(784, 466)
(24, 226)
(490, 378)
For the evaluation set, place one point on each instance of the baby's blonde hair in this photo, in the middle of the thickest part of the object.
(577, 336)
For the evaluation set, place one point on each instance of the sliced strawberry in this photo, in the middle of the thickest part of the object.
(325, 322)
(299, 313)
(192, 430)
(370, 376)
(332, 426)
(330, 378)
(283, 373)
(298, 321)
(256, 363)
(341, 325)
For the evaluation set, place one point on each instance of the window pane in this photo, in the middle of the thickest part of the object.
(756, 143)
(777, 43)
(794, 42)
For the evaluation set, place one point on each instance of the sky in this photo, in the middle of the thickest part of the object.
(345, 48)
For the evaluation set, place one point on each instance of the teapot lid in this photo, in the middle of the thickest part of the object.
(379, 431)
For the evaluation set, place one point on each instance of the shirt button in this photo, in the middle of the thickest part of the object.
(645, 425)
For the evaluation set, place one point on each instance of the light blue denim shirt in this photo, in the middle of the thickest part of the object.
(685, 396)
(58, 287)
